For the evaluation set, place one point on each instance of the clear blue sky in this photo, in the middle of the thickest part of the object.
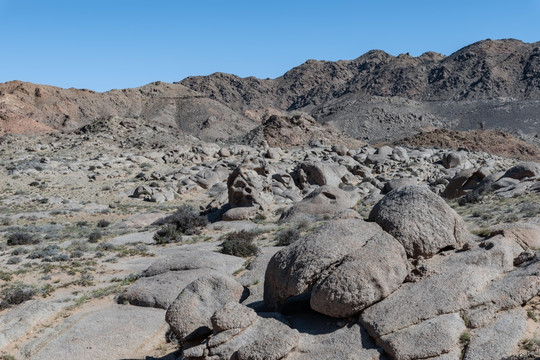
(102, 45)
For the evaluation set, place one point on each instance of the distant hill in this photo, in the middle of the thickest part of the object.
(491, 84)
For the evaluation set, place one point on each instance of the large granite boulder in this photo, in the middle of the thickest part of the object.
(347, 265)
(323, 202)
(420, 220)
(190, 314)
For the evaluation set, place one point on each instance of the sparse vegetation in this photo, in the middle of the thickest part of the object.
(239, 243)
(168, 234)
(95, 236)
(103, 223)
(16, 293)
(465, 338)
(22, 238)
(186, 220)
(287, 237)
(531, 315)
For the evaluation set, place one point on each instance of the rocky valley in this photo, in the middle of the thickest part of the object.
(378, 208)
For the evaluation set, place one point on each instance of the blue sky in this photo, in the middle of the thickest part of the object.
(102, 45)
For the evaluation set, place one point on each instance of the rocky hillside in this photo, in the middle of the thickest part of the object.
(376, 97)
(379, 96)
(30, 108)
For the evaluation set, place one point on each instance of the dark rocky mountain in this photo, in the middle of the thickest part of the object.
(376, 97)
(491, 84)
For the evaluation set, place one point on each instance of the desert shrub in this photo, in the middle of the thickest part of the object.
(22, 238)
(16, 293)
(105, 247)
(47, 251)
(168, 234)
(7, 221)
(95, 236)
(239, 243)
(186, 220)
(259, 219)
(471, 197)
(287, 237)
(19, 251)
(13, 260)
(80, 245)
(103, 223)
(57, 257)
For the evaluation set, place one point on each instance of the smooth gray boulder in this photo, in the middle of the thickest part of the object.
(427, 339)
(115, 332)
(398, 183)
(347, 264)
(161, 290)
(190, 258)
(162, 281)
(320, 173)
(450, 285)
(190, 314)
(364, 277)
(420, 220)
(498, 339)
(240, 334)
(231, 316)
(323, 202)
(452, 159)
(17, 321)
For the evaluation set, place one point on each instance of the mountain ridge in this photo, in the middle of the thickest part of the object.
(490, 84)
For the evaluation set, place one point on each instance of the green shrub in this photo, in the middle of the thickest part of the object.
(16, 293)
(186, 220)
(95, 236)
(103, 223)
(287, 237)
(167, 234)
(22, 238)
(239, 243)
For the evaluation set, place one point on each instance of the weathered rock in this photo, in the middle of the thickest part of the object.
(189, 315)
(240, 213)
(116, 332)
(452, 160)
(161, 290)
(233, 316)
(323, 202)
(451, 284)
(269, 337)
(17, 321)
(464, 181)
(523, 170)
(428, 339)
(323, 340)
(347, 264)
(191, 257)
(500, 338)
(319, 173)
(250, 185)
(364, 277)
(420, 220)
(384, 151)
(272, 153)
(397, 184)
(341, 150)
